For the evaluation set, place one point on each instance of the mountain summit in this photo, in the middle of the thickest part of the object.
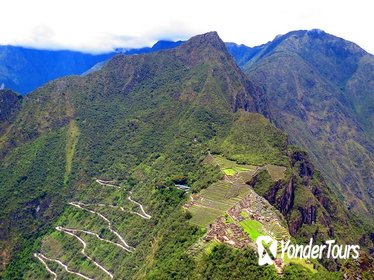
(166, 105)
(319, 89)
(208, 39)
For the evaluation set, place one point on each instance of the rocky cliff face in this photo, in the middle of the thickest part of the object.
(305, 201)
(286, 201)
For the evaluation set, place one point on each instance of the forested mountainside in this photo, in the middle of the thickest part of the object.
(319, 88)
(128, 173)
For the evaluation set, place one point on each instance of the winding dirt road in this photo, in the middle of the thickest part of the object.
(97, 236)
(116, 206)
(110, 184)
(83, 251)
(144, 214)
(72, 232)
(79, 205)
(41, 257)
(107, 183)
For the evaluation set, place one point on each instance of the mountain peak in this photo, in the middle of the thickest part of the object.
(317, 38)
(211, 36)
(321, 66)
(208, 39)
(203, 48)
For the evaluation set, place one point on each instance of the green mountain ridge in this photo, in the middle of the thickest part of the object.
(320, 94)
(142, 124)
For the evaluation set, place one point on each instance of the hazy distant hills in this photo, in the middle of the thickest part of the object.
(160, 45)
(24, 69)
(242, 53)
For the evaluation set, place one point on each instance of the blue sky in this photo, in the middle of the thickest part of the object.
(97, 26)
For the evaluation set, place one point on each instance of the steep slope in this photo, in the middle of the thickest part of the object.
(110, 121)
(89, 167)
(319, 89)
(10, 103)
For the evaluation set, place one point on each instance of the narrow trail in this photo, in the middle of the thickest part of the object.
(83, 251)
(107, 183)
(79, 205)
(115, 206)
(41, 257)
(101, 205)
(146, 216)
(140, 215)
(72, 232)
(36, 255)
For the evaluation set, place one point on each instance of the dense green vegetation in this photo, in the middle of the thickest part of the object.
(319, 90)
(144, 123)
(32, 192)
(253, 140)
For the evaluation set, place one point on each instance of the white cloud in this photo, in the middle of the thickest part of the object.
(102, 25)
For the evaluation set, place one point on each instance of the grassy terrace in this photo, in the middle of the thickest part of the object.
(231, 168)
(252, 228)
(276, 172)
(219, 197)
(214, 201)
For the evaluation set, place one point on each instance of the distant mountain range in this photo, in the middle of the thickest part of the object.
(24, 69)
